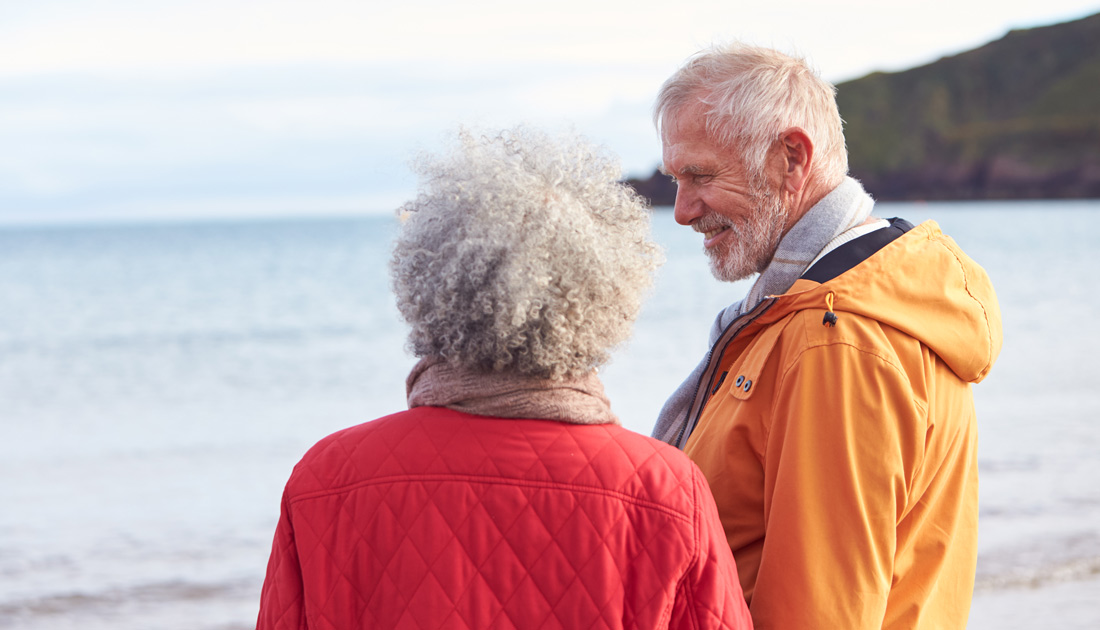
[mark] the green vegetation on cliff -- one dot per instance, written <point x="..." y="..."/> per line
<point x="1016" y="118"/>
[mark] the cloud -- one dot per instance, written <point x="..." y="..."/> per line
<point x="195" y="34"/>
<point x="78" y="140"/>
<point x="109" y="103"/>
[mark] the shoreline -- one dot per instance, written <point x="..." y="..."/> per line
<point x="1063" y="604"/>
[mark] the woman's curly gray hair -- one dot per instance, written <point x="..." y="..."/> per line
<point x="522" y="252"/>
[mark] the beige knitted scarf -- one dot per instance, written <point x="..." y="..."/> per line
<point x="434" y="383"/>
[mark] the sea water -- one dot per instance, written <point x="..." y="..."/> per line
<point x="158" y="382"/>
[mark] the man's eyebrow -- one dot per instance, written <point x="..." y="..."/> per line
<point x="690" y="169"/>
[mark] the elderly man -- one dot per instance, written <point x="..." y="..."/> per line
<point x="833" y="416"/>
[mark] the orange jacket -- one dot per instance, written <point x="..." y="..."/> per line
<point x="843" y="458"/>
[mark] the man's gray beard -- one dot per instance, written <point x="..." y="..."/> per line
<point x="753" y="241"/>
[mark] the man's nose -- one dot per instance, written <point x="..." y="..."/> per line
<point x="687" y="208"/>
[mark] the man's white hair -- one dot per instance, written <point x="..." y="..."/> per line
<point x="751" y="95"/>
<point x="522" y="252"/>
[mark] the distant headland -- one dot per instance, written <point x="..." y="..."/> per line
<point x="1018" y="118"/>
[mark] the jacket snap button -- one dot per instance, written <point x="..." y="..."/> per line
<point x="748" y="384"/>
<point x="740" y="379"/>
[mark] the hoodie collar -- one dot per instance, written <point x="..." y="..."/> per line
<point x="845" y="207"/>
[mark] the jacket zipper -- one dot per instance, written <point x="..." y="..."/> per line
<point x="692" y="417"/>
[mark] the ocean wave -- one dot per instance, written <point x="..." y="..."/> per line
<point x="1041" y="563"/>
<point x="60" y="345"/>
<point x="108" y="602"/>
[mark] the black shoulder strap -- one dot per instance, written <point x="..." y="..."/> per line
<point x="855" y="251"/>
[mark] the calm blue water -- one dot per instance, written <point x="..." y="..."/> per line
<point x="158" y="382"/>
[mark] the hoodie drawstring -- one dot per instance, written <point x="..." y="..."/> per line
<point x="830" y="316"/>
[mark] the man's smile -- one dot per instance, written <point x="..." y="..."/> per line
<point x="711" y="232"/>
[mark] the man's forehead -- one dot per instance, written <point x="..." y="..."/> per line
<point x="691" y="115"/>
<point x="686" y="154"/>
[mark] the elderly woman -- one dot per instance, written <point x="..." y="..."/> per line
<point x="507" y="496"/>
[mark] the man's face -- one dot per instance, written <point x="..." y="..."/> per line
<point x="742" y="220"/>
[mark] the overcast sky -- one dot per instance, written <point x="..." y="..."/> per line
<point x="167" y="109"/>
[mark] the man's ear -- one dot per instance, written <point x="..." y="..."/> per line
<point x="797" y="151"/>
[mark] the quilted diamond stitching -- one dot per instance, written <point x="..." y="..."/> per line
<point x="520" y="548"/>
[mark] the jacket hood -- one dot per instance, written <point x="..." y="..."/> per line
<point x="922" y="284"/>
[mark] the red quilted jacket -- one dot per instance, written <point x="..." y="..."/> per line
<point x="433" y="518"/>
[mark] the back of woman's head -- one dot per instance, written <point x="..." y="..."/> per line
<point x="522" y="252"/>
